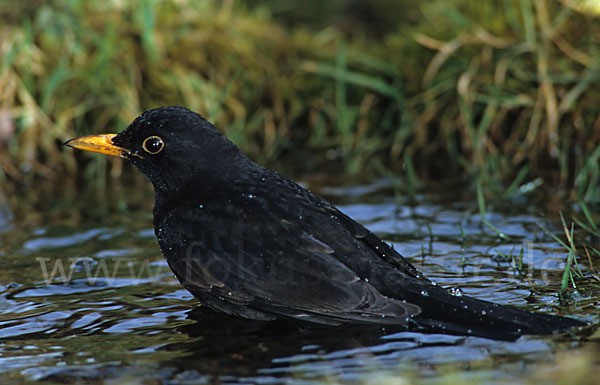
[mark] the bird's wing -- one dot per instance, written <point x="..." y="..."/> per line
<point x="243" y="260"/>
<point x="373" y="242"/>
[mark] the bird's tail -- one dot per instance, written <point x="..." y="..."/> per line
<point x="451" y="312"/>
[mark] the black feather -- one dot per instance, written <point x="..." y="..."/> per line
<point x="251" y="243"/>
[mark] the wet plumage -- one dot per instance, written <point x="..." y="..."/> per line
<point x="251" y="243"/>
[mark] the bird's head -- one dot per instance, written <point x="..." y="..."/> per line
<point x="173" y="146"/>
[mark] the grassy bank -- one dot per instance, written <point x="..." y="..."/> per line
<point x="499" y="94"/>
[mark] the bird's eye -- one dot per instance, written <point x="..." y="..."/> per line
<point x="153" y="145"/>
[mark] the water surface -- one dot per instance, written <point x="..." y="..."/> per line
<point x="86" y="297"/>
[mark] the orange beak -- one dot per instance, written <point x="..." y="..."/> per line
<point x="100" y="143"/>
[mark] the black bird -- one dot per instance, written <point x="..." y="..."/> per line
<point x="251" y="243"/>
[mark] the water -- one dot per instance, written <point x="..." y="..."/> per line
<point x="86" y="297"/>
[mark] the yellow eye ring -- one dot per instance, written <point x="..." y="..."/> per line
<point x="153" y="145"/>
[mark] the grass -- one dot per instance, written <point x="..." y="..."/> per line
<point x="579" y="243"/>
<point x="500" y="94"/>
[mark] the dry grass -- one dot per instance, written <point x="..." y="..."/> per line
<point x="502" y="92"/>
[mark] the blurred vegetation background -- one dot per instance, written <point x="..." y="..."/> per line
<point x="499" y="95"/>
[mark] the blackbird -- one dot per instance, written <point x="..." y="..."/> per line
<point x="251" y="243"/>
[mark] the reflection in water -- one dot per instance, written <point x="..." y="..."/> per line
<point x="240" y="348"/>
<point x="99" y="302"/>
